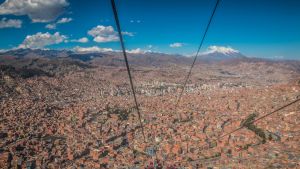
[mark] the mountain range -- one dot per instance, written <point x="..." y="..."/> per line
<point x="141" y="59"/>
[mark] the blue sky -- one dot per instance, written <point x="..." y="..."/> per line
<point x="256" y="28"/>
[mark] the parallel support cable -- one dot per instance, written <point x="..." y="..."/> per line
<point x="264" y="116"/>
<point x="195" y="58"/>
<point x="239" y="128"/>
<point x="127" y="64"/>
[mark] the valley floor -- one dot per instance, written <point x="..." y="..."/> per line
<point x="86" y="118"/>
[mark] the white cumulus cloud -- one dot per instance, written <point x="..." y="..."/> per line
<point x="36" y="10"/>
<point x="176" y="45"/>
<point x="41" y="40"/>
<point x="81" y="40"/>
<point x="103" y="34"/>
<point x="51" y="26"/>
<point x="135" y="51"/>
<point x="128" y="33"/>
<point x="10" y="23"/>
<point x="138" y="51"/>
<point x="93" y="49"/>
<point x="64" y="20"/>
<point x="61" y="21"/>
<point x="135" y="21"/>
<point x="96" y="49"/>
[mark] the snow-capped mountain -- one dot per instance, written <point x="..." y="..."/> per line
<point x="220" y="53"/>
